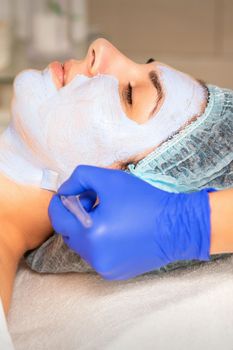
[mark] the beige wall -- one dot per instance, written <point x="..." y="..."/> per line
<point x="195" y="36"/>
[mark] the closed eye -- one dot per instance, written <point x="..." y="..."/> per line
<point x="128" y="90"/>
<point x="128" y="94"/>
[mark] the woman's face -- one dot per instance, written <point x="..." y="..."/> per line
<point x="104" y="110"/>
<point x="137" y="89"/>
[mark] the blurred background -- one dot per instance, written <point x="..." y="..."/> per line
<point x="193" y="36"/>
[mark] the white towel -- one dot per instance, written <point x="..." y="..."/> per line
<point x="5" y="339"/>
<point x="190" y="308"/>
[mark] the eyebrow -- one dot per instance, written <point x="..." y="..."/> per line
<point x="154" y="78"/>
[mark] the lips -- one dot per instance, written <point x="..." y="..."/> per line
<point x="63" y="74"/>
<point x="58" y="73"/>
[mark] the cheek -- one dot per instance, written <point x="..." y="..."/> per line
<point x="144" y="101"/>
<point x="25" y="123"/>
<point x="23" y="130"/>
<point x="65" y="129"/>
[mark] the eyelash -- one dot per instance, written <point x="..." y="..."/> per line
<point x="129" y="94"/>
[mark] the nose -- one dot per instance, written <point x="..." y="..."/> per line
<point x="102" y="57"/>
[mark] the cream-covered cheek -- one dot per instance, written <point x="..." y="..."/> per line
<point x="84" y="123"/>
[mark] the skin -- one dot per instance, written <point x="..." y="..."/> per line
<point x="221" y="221"/>
<point x="24" y="225"/>
<point x="24" y="219"/>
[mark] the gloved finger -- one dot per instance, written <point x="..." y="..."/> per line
<point x="62" y="220"/>
<point x="86" y="177"/>
<point x="74" y="234"/>
<point x="88" y="200"/>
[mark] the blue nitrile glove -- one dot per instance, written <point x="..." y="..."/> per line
<point x="136" y="227"/>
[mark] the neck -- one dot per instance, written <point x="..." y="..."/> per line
<point x="24" y="219"/>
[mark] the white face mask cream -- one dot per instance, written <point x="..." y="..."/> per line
<point x="84" y="123"/>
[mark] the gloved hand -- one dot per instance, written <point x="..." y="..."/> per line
<point x="136" y="227"/>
